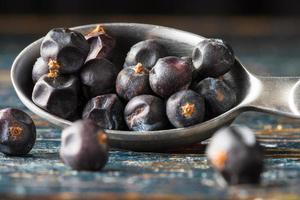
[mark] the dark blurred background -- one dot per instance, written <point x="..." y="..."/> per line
<point x="265" y="34"/>
<point x="164" y="7"/>
<point x="208" y="17"/>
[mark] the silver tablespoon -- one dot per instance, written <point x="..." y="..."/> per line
<point x="277" y="95"/>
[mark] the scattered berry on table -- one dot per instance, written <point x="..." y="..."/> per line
<point x="236" y="155"/>
<point x="17" y="132"/>
<point x="84" y="146"/>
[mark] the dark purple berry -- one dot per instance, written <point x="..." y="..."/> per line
<point x="219" y="98"/>
<point x="213" y="57"/>
<point x="67" y="48"/>
<point x="84" y="146"/>
<point x="106" y="110"/>
<point x="101" y="44"/>
<point x="57" y="95"/>
<point x="133" y="81"/>
<point x="146" y="113"/>
<point x="98" y="77"/>
<point x="17" y="132"/>
<point x="185" y="108"/>
<point x="39" y="69"/>
<point x="236" y="155"/>
<point x="169" y="75"/>
<point x="146" y="52"/>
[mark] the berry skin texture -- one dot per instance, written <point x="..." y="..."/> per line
<point x="106" y="110"/>
<point x="169" y="75"/>
<point x="98" y="77"/>
<point x="84" y="146"/>
<point x="146" y="52"/>
<point x="236" y="155"/>
<point x="17" y="132"/>
<point x="39" y="69"/>
<point x="185" y="108"/>
<point x="133" y="81"/>
<point x="146" y="113"/>
<point x="59" y="95"/>
<point x="67" y="47"/>
<point x="213" y="57"/>
<point x="219" y="98"/>
<point x="101" y="44"/>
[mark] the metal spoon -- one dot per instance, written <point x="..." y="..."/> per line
<point x="277" y="95"/>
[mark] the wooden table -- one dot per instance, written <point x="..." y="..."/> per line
<point x="177" y="174"/>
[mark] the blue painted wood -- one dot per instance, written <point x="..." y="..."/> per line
<point x="178" y="173"/>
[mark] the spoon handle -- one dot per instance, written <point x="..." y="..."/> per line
<point x="276" y="95"/>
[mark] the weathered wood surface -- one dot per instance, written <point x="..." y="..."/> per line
<point x="178" y="174"/>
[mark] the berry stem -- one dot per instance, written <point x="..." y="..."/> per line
<point x="53" y="68"/>
<point x="15" y="132"/>
<point x="95" y="32"/>
<point x="188" y="109"/>
<point x="220" y="159"/>
<point x="102" y="137"/>
<point x="138" y="69"/>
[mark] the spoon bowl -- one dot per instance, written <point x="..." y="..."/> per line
<point x="276" y="95"/>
